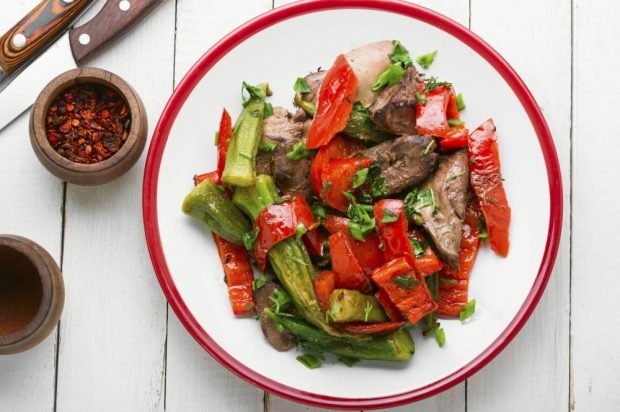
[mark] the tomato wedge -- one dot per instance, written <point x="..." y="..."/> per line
<point x="338" y="148"/>
<point x="432" y="117"/>
<point x="361" y="328"/>
<point x="413" y="299"/>
<point x="338" y="178"/>
<point x="277" y="222"/>
<point x="324" y="285"/>
<point x="486" y="180"/>
<point x="428" y="263"/>
<point x="334" y="103"/>
<point x="239" y="275"/>
<point x="453" y="284"/>
<point x="347" y="269"/>
<point x="392" y="227"/>
<point x="367" y="252"/>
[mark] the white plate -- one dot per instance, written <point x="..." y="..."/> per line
<point x="278" y="47"/>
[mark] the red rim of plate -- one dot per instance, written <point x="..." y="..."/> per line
<point x="209" y="59"/>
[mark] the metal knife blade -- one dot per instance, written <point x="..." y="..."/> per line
<point x="20" y="93"/>
<point x="69" y="51"/>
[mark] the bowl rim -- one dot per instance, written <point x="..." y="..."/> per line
<point x="248" y="29"/>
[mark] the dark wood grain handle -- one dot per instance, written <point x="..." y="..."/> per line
<point x="35" y="32"/>
<point x="116" y="18"/>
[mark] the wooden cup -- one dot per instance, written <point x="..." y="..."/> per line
<point x="96" y="173"/>
<point x="32" y="294"/>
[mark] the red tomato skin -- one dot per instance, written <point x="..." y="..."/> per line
<point x="432" y="118"/>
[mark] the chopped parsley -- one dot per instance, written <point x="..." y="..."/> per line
<point x="265" y="146"/>
<point x="455" y="122"/>
<point x="391" y="76"/>
<point x="460" y="102"/>
<point x="454" y="177"/>
<point x="259" y="282"/>
<point x="440" y="336"/>
<point x="467" y="310"/>
<point x="249" y="238"/>
<point x="389" y="216"/>
<point x="417" y="199"/>
<point x="378" y="183"/>
<point x="299" y="151"/>
<point x="268" y="110"/>
<point x="418" y="248"/>
<point x="429" y="146"/>
<point x="349" y="361"/>
<point x="309" y="361"/>
<point x="433" y="83"/>
<point x="301" y="86"/>
<point x="318" y="211"/>
<point x="421" y="98"/>
<point x="367" y="309"/>
<point x="326" y="186"/>
<point x="245" y="155"/>
<point x="427" y="59"/>
<point x="361" y="223"/>
<point x="400" y="54"/>
<point x="300" y="230"/>
<point x="253" y="93"/>
<point x="216" y="141"/>
<point x="280" y="300"/>
<point x="405" y="281"/>
<point x="359" y="178"/>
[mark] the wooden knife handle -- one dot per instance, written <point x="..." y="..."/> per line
<point x="35" y="32"/>
<point x="116" y="18"/>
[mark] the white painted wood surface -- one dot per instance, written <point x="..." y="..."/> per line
<point x="120" y="348"/>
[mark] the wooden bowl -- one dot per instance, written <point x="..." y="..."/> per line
<point x="32" y="294"/>
<point x="96" y="173"/>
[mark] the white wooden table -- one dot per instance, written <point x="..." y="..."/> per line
<point x="119" y="347"/>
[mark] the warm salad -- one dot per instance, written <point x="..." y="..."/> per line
<point x="363" y="209"/>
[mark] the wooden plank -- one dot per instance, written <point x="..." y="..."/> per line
<point x="112" y="342"/>
<point x="31" y="206"/>
<point x="532" y="373"/>
<point x="453" y="399"/>
<point x="194" y="380"/>
<point x="595" y="281"/>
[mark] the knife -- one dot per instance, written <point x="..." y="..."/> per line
<point x="115" y="19"/>
<point x="35" y="32"/>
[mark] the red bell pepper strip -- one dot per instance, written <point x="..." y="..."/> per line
<point x="224" y="135"/>
<point x="388" y="306"/>
<point x="361" y="328"/>
<point x="453" y="284"/>
<point x="239" y="275"/>
<point x="455" y="138"/>
<point x="393" y="234"/>
<point x="414" y="302"/>
<point x="348" y="272"/>
<point x="428" y="263"/>
<point x="314" y="242"/>
<point x="198" y="179"/>
<point x="452" y="111"/>
<point x="334" y="103"/>
<point x="431" y="117"/>
<point x="368" y="252"/>
<point x="338" y="178"/>
<point x="338" y="148"/>
<point x="324" y="285"/>
<point x="486" y="180"/>
<point x="277" y="222"/>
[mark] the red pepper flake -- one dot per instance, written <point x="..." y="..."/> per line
<point x="88" y="123"/>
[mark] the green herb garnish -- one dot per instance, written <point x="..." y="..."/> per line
<point x="433" y="83"/>
<point x="301" y="85"/>
<point x="359" y="178"/>
<point x="249" y="238"/>
<point x="253" y="92"/>
<point x="267" y="146"/>
<point x="391" y="76"/>
<point x="268" y="110"/>
<point x="309" y="361"/>
<point x="367" y="310"/>
<point x="259" y="282"/>
<point x="460" y="102"/>
<point x="280" y="300"/>
<point x="347" y="360"/>
<point x="429" y="146"/>
<point x="400" y="55"/>
<point x="245" y="155"/>
<point x="455" y="122"/>
<point x="378" y="183"/>
<point x="300" y="230"/>
<point x="299" y="151"/>
<point x="421" y="98"/>
<point x="482" y="228"/>
<point x="467" y="310"/>
<point x="427" y="59"/>
<point x="318" y="211"/>
<point x="448" y="281"/>
<point x="440" y="336"/>
<point x="418" y="248"/>
<point x="405" y="281"/>
<point x="216" y="141"/>
<point x="389" y="216"/>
